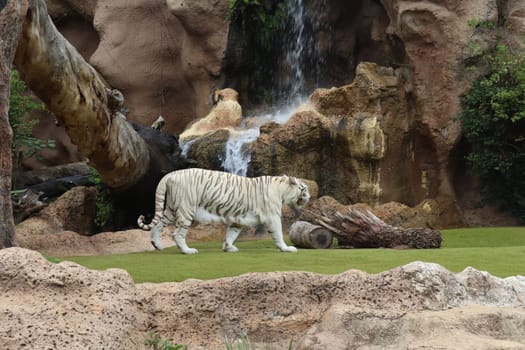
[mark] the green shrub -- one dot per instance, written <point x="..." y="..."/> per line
<point x="24" y="144"/>
<point x="492" y="118"/>
<point x="157" y="343"/>
<point x="264" y="22"/>
<point x="104" y="203"/>
<point x="260" y="25"/>
<point x="241" y="344"/>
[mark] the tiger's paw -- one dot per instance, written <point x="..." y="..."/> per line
<point x="156" y="245"/>
<point x="289" y="249"/>
<point x="229" y="248"/>
<point x="190" y="251"/>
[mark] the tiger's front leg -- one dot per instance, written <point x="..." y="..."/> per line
<point x="180" y="238"/>
<point x="232" y="232"/>
<point x="276" y="232"/>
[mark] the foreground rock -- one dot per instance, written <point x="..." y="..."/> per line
<point x="65" y="306"/>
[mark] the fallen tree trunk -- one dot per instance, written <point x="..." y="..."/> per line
<point x="80" y="99"/>
<point x="305" y="235"/>
<point x="56" y="187"/>
<point x="355" y="229"/>
<point x="24" y="179"/>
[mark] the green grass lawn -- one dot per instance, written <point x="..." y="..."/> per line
<point x="501" y="251"/>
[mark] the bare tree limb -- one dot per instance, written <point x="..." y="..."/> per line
<point x="78" y="96"/>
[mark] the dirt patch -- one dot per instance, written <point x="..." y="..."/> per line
<point x="69" y="243"/>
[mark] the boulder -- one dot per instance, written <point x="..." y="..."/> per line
<point x="74" y="210"/>
<point x="209" y="150"/>
<point x="226" y="114"/>
<point x="418" y="305"/>
<point x="350" y="139"/>
<point x="65" y="306"/>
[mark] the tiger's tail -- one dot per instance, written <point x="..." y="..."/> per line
<point x="160" y="198"/>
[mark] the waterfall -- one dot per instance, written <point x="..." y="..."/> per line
<point x="295" y="43"/>
<point x="302" y="58"/>
<point x="300" y="55"/>
<point x="237" y="159"/>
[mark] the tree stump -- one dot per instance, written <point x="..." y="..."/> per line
<point x="305" y="235"/>
<point x="355" y="229"/>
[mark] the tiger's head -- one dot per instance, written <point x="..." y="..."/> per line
<point x="297" y="195"/>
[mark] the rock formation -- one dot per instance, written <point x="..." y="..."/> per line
<point x="165" y="56"/>
<point x="418" y="305"/>
<point x="406" y="105"/>
<point x="226" y="114"/>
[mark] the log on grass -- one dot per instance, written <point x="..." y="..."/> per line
<point x="355" y="229"/>
<point x="305" y="235"/>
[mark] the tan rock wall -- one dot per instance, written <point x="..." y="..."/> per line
<point x="65" y="306"/>
<point x="165" y="56"/>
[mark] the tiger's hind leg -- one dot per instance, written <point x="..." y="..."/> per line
<point x="155" y="235"/>
<point x="180" y="238"/>
<point x="232" y="232"/>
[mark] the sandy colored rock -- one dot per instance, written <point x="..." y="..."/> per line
<point x="65" y="306"/>
<point x="69" y="243"/>
<point x="161" y="56"/>
<point x="74" y="210"/>
<point x="226" y="114"/>
<point x="419" y="305"/>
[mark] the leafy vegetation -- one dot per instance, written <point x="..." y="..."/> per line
<point x="104" y="203"/>
<point x="24" y="144"/>
<point x="157" y="343"/>
<point x="241" y="344"/>
<point x="493" y="121"/>
<point x="259" y="26"/>
<point x="501" y="251"/>
<point x="262" y="20"/>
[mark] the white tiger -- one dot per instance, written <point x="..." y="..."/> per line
<point x="206" y="196"/>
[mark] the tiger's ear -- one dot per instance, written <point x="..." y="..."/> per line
<point x="292" y="180"/>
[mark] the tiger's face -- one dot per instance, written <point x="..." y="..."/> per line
<point x="299" y="193"/>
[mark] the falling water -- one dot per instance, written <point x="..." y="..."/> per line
<point x="300" y="54"/>
<point x="237" y="156"/>
<point x="297" y="46"/>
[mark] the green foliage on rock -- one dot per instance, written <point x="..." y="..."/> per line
<point x="493" y="121"/>
<point x="104" y="203"/>
<point x="256" y="33"/>
<point x="157" y="343"/>
<point x="265" y="20"/>
<point x="24" y="144"/>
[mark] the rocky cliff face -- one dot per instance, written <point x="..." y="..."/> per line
<point x="419" y="305"/>
<point x="385" y="133"/>
<point x="165" y="56"/>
